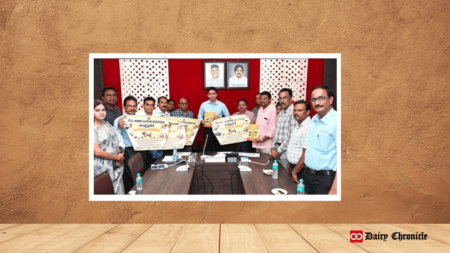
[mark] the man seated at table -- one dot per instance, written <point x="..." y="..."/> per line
<point x="267" y="120"/>
<point x="245" y="146"/>
<point x="321" y="152"/>
<point x="148" y="107"/>
<point x="297" y="141"/>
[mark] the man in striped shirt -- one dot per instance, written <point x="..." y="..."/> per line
<point x="298" y="141"/>
<point x="285" y="126"/>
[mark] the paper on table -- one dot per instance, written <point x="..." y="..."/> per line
<point x="167" y="159"/>
<point x="249" y="154"/>
<point x="180" y="154"/>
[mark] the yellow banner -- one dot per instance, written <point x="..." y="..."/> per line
<point x="231" y="129"/>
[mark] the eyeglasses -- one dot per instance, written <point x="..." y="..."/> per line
<point x="183" y="103"/>
<point x="283" y="98"/>
<point x="320" y="99"/>
<point x="110" y="95"/>
<point x="131" y="106"/>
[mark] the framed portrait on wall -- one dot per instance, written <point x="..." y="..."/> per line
<point x="214" y="74"/>
<point x="238" y="74"/>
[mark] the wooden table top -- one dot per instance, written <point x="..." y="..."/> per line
<point x="169" y="181"/>
<point x="256" y="182"/>
<point x="166" y="181"/>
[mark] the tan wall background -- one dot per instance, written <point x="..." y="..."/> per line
<point x="395" y="102"/>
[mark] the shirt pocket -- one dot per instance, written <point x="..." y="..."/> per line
<point x="326" y="141"/>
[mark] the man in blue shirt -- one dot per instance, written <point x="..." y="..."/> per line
<point x="321" y="151"/>
<point x="130" y="105"/>
<point x="212" y="105"/>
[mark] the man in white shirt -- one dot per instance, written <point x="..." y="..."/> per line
<point x="149" y="106"/>
<point x="298" y="140"/>
<point x="215" y="80"/>
<point x="161" y="111"/>
<point x="239" y="80"/>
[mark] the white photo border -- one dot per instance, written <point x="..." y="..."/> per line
<point x="196" y="197"/>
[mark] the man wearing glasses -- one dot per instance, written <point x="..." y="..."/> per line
<point x="183" y="112"/>
<point x="130" y="105"/>
<point x="161" y="111"/>
<point x="109" y="97"/>
<point x="285" y="126"/>
<point x="321" y="151"/>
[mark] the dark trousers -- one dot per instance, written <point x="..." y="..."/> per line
<point x="317" y="184"/>
<point x="127" y="178"/>
<point x="211" y="140"/>
<point x="245" y="146"/>
<point x="299" y="174"/>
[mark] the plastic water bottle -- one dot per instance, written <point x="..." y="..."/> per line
<point x="139" y="182"/>
<point x="175" y="154"/>
<point x="275" y="169"/>
<point x="301" y="188"/>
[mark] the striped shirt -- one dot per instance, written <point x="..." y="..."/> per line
<point x="298" y="141"/>
<point x="285" y="126"/>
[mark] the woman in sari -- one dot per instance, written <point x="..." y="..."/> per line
<point x="107" y="144"/>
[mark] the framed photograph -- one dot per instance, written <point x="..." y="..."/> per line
<point x="238" y="74"/>
<point x="214" y="74"/>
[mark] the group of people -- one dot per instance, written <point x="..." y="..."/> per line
<point x="306" y="147"/>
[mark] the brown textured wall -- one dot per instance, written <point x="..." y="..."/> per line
<point x="395" y="106"/>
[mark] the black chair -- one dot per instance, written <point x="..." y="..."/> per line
<point x="103" y="184"/>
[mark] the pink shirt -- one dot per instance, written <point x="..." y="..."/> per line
<point x="249" y="114"/>
<point x="267" y="120"/>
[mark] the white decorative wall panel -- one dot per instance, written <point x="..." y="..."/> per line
<point x="284" y="73"/>
<point x="144" y="77"/>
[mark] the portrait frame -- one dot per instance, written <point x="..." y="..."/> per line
<point x="207" y="76"/>
<point x="231" y="76"/>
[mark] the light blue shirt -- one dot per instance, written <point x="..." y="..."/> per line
<point x="321" y="151"/>
<point x="218" y="107"/>
<point x="123" y="132"/>
<point x="159" y="113"/>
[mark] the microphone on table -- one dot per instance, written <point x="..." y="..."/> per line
<point x="246" y="168"/>
<point x="204" y="147"/>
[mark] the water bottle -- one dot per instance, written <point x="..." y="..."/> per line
<point x="139" y="182"/>
<point x="275" y="169"/>
<point x="301" y="188"/>
<point x="175" y="154"/>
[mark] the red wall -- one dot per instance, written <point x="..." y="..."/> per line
<point x="186" y="80"/>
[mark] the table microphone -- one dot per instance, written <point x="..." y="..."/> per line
<point x="204" y="147"/>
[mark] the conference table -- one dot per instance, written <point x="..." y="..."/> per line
<point x="219" y="178"/>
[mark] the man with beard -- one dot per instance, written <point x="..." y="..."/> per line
<point x="109" y="97"/>
<point x="321" y="152"/>
<point x="239" y="80"/>
<point x="267" y="120"/>
<point x="130" y="105"/>
<point x="245" y="146"/>
<point x="215" y="80"/>
<point x="297" y="141"/>
<point x="285" y="126"/>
